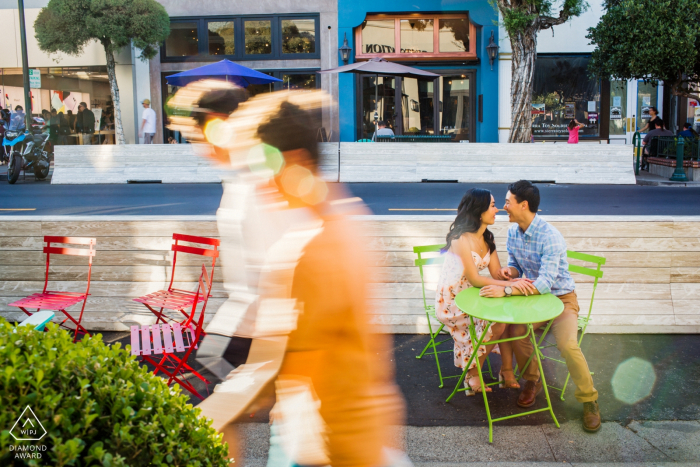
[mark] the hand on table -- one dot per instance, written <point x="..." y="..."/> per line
<point x="492" y="291"/>
<point x="524" y="286"/>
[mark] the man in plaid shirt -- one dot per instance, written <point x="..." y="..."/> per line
<point x="537" y="251"/>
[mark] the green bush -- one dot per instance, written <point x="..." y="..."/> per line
<point x="97" y="404"/>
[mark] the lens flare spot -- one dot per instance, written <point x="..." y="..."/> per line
<point x="318" y="193"/>
<point x="265" y="160"/>
<point x="297" y="181"/>
<point x="218" y="132"/>
<point x="633" y="380"/>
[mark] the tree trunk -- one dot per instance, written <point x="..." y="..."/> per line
<point x="114" y="89"/>
<point x="524" y="46"/>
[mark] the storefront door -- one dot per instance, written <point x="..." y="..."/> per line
<point x="457" y="109"/>
<point x="647" y="96"/>
<point x="378" y="94"/>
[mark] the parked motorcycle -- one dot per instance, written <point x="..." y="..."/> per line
<point x="28" y="150"/>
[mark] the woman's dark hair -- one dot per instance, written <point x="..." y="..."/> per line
<point x="220" y="101"/>
<point x="475" y="202"/>
<point x="572" y="124"/>
<point x="656" y="111"/>
<point x="524" y="190"/>
<point x="292" y="128"/>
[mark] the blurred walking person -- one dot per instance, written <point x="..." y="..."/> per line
<point x="148" y="122"/>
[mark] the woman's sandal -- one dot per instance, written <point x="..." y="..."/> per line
<point x="474" y="386"/>
<point x="507" y="383"/>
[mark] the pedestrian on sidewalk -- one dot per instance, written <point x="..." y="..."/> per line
<point x="574" y="127"/>
<point x="537" y="250"/>
<point x="148" y="122"/>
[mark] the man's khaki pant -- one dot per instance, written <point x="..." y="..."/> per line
<point x="565" y="332"/>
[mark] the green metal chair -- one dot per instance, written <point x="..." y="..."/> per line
<point x="597" y="274"/>
<point x="430" y="310"/>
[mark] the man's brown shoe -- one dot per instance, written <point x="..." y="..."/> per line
<point x="529" y="393"/>
<point x="591" y="416"/>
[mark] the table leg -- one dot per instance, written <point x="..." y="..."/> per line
<point x="544" y="381"/>
<point x="472" y="332"/>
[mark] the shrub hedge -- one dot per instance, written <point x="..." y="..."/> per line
<point x="97" y="404"/>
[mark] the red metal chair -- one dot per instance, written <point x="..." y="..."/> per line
<point x="167" y="340"/>
<point x="176" y="299"/>
<point x="59" y="301"/>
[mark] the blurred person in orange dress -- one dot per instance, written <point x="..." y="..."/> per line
<point x="306" y="311"/>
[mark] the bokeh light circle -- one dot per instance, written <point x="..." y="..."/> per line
<point x="633" y="380"/>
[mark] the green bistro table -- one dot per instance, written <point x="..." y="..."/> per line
<point x="509" y="310"/>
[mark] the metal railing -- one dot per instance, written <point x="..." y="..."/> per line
<point x="667" y="147"/>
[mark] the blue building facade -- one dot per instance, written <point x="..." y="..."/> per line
<point x="447" y="37"/>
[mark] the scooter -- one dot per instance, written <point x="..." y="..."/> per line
<point x="27" y="150"/>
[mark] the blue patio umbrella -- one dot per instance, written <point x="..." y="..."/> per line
<point x="225" y="70"/>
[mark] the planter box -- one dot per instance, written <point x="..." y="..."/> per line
<point x="666" y="167"/>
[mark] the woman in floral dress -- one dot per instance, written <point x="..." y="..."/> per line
<point x="470" y="248"/>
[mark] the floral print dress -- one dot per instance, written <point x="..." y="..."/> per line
<point x="452" y="281"/>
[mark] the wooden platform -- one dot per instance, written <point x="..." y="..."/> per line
<point x="169" y="163"/>
<point x="486" y="162"/>
<point x="651" y="282"/>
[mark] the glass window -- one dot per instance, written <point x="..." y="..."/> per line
<point x="298" y="36"/>
<point x="182" y="41"/>
<point x="417" y="107"/>
<point x="455" y="117"/>
<point x="221" y="38"/>
<point x="305" y="81"/>
<point x="378" y="37"/>
<point x="258" y="37"/>
<point x="646" y="97"/>
<point x="618" y="107"/>
<point x="416" y="36"/>
<point x="386" y="110"/>
<point x="454" y="35"/>
<point x="562" y="91"/>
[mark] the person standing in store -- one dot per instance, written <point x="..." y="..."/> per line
<point x="651" y="124"/>
<point x="85" y="123"/>
<point x="148" y="122"/>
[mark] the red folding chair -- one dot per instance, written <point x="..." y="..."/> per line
<point x="176" y="299"/>
<point x="59" y="301"/>
<point x="167" y="340"/>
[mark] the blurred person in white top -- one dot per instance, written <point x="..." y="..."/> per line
<point x="148" y="122"/>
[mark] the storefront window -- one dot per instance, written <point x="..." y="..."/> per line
<point x="63" y="89"/>
<point x="299" y="81"/>
<point x="386" y="108"/>
<point x="378" y="36"/>
<point x="647" y="96"/>
<point x="416" y="36"/>
<point x="454" y="35"/>
<point x="258" y="37"/>
<point x="618" y="107"/>
<point x="182" y="41"/>
<point x="417" y="107"/>
<point x="298" y="36"/>
<point x="221" y="38"/>
<point x="562" y="91"/>
<point x="456" y="107"/>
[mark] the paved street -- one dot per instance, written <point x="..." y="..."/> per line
<point x="41" y="198"/>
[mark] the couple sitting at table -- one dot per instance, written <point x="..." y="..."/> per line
<point x="537" y="264"/>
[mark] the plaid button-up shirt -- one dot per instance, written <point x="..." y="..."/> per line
<point x="539" y="253"/>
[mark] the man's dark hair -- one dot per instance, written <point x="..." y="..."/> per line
<point x="220" y="101"/>
<point x="526" y="191"/>
<point x="687" y="126"/>
<point x="292" y="128"/>
<point x="659" y="123"/>
<point x="381" y="123"/>
<point x="83" y="104"/>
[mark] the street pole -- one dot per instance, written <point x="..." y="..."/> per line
<point x="25" y="66"/>
<point x="679" y="173"/>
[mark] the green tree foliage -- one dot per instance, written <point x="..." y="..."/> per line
<point x="97" y="405"/>
<point x="522" y="20"/>
<point x="649" y="39"/>
<point x="69" y="25"/>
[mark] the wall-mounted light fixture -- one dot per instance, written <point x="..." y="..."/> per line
<point x="492" y="50"/>
<point x="345" y="50"/>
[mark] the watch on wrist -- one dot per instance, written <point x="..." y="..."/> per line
<point x="508" y="290"/>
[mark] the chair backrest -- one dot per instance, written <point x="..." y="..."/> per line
<point x="421" y="262"/>
<point x="53" y="250"/>
<point x="212" y="253"/>
<point x="596" y="273"/>
<point x="203" y="290"/>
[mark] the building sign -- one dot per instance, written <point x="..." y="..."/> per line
<point x="387" y="49"/>
<point x="592" y="118"/>
<point x="645" y="112"/>
<point x="570" y="110"/>
<point x="617" y="101"/>
<point x="615" y="113"/>
<point x="34" y="79"/>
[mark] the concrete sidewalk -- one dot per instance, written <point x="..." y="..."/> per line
<point x="662" y="443"/>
